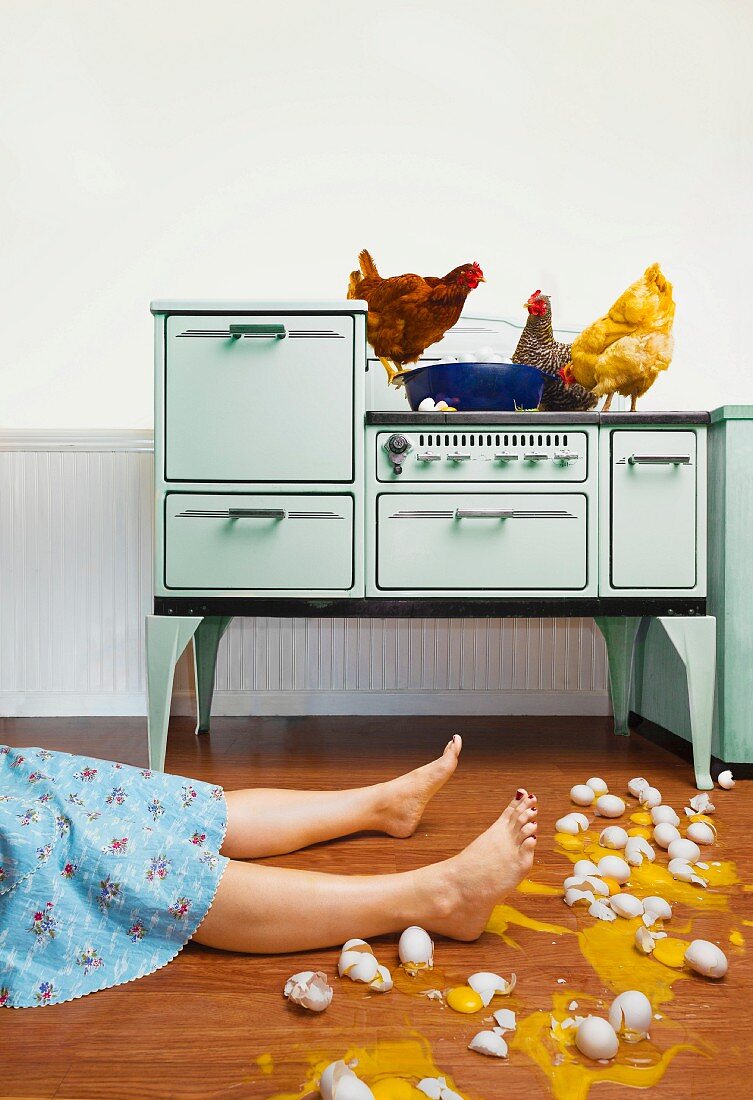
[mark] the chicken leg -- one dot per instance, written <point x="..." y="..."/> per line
<point x="390" y="367"/>
<point x="633" y="402"/>
<point x="607" y="403"/>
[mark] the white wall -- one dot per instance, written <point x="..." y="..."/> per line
<point x="168" y="148"/>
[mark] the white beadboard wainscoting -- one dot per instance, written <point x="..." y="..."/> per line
<point x="75" y="585"/>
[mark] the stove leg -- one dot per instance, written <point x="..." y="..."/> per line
<point x="619" y="634"/>
<point x="166" y="638"/>
<point x="694" y="640"/>
<point x="206" y="641"/>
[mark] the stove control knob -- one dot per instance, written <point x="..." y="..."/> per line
<point x="397" y="448"/>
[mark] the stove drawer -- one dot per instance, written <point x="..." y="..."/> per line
<point x="263" y="542"/>
<point x="653" y="522"/>
<point x="259" y="398"/>
<point x="501" y="541"/>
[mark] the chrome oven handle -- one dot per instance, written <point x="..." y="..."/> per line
<point x="276" y="332"/>
<point x="535" y="457"/>
<point x="256" y="513"/>
<point x="483" y="513"/>
<point x="659" y="460"/>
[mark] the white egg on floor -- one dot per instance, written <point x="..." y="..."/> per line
<point x="630" y="1015"/>
<point x="581" y="794"/>
<point x="725" y="780"/>
<point x="490" y="1043"/>
<point x="596" y="1038"/>
<point x="700" y="832"/>
<point x="416" y="949"/>
<point x="706" y="959"/>
<point x="684" y="849"/>
<point x="637" y="849"/>
<point x="613" y="837"/>
<point x="665" y="833"/>
<point x="339" y="1082"/>
<point x="663" y="813"/>
<point x="635" y="786"/>
<point x="585" y="867"/>
<point x="614" y="867"/>
<point x="309" y="989"/>
<point x="598" y="786"/>
<point x="572" y="824"/>
<point x="626" y="906"/>
<point x="658" y="906"/>
<point x="650" y="797"/>
<point x="609" y="805"/>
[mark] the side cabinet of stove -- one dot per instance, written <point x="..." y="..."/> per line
<point x="258" y="474"/>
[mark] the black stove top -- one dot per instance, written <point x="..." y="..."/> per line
<point x="633" y="418"/>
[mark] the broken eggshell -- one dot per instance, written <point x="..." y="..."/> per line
<point x="684" y="849"/>
<point x="706" y="958"/>
<point x="596" y="1038"/>
<point x="572" y="824"/>
<point x="598" y="786"/>
<point x="661" y="908"/>
<point x="626" y="906"/>
<point x="339" y="1082"/>
<point x="681" y="870"/>
<point x="490" y="1043"/>
<point x="637" y="849"/>
<point x="585" y="867"/>
<point x="700" y="832"/>
<point x="489" y="985"/>
<point x="614" y="867"/>
<point x="357" y="962"/>
<point x="700" y="804"/>
<point x="614" y="836"/>
<point x="665" y="833"/>
<point x="630" y="1015"/>
<point x="416" y="949"/>
<point x="650" y="797"/>
<point x="309" y="989"/>
<point x="601" y="910"/>
<point x="574" y="896"/>
<point x="725" y="780"/>
<point x="664" y="813"/>
<point x="635" y="786"/>
<point x="582" y="795"/>
<point x="436" y="1089"/>
<point x="609" y="805"/>
<point x="505" y="1018"/>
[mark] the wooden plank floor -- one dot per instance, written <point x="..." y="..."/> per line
<point x="196" y="1028"/>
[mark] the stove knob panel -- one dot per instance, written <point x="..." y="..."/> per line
<point x="397" y="447"/>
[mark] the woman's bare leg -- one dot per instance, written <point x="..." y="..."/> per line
<point x="266" y="822"/>
<point x="272" y="909"/>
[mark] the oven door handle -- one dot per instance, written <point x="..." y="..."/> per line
<point x="483" y="513"/>
<point x="256" y="513"/>
<point x="659" y="460"/>
<point x="276" y="332"/>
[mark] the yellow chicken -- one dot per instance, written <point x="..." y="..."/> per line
<point x="624" y="351"/>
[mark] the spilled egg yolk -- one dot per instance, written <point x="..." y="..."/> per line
<point x="641" y="830"/>
<point x="671" y="952"/>
<point x="464" y="999"/>
<point x="737" y="938"/>
<point x="396" y="1088"/>
<point x="641" y="818"/>
<point x="613" y="885"/>
<point x="569" y="843"/>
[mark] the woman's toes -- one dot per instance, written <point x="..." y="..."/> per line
<point x="527" y="815"/>
<point x="529" y="829"/>
<point x="528" y="844"/>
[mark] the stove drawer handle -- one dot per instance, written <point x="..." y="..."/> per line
<point x="276" y="332"/>
<point x="659" y="460"/>
<point x="483" y="513"/>
<point x="256" y="513"/>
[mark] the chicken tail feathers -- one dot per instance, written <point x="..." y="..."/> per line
<point x="368" y="267"/>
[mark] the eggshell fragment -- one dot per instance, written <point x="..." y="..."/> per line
<point x="613" y="837"/>
<point x="630" y="1015"/>
<point x="645" y="940"/>
<point x="665" y="833"/>
<point x="490" y="1043"/>
<point x="664" y="813"/>
<point x="489" y="985"/>
<point x="626" y="906"/>
<point x="339" y="1082"/>
<point x="637" y="849"/>
<point x="701" y="804"/>
<point x="598" y="786"/>
<point x="357" y="962"/>
<point x="614" y="867"/>
<point x="706" y="959"/>
<point x="573" y="896"/>
<point x="416" y="949"/>
<point x="601" y="911"/>
<point x="684" y="849"/>
<point x="596" y="1038"/>
<point x="724" y="779"/>
<point x="658" y="906"/>
<point x="505" y="1018"/>
<point x="701" y="833"/>
<point x="650" y="797"/>
<point x="382" y="981"/>
<point x="309" y="989"/>
<point x="635" y="786"/>
<point x="581" y="794"/>
<point x="436" y="1089"/>
<point x="572" y="824"/>
<point x="681" y="870"/>
<point x="609" y="805"/>
<point x="585" y="867"/>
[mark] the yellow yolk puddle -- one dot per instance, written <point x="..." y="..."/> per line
<point x="528" y="886"/>
<point x="637" y="1065"/>
<point x="265" y="1062"/>
<point x="641" y="818"/>
<point x="610" y="949"/>
<point x="671" y="951"/>
<point x="641" y="830"/>
<point x="505" y="915"/>
<point x="737" y="938"/>
<point x="391" y="1069"/>
<point x="569" y="843"/>
<point x="417" y="985"/>
<point x="464" y="999"/>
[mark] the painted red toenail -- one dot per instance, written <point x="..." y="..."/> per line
<point x="519" y="794"/>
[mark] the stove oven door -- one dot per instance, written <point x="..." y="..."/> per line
<point x="259" y="398"/>
<point x="506" y="542"/>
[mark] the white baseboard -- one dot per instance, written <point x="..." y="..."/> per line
<point x="53" y="704"/>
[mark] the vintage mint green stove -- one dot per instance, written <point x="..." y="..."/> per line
<point x="281" y="490"/>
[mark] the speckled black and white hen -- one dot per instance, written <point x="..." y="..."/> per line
<point x="538" y="348"/>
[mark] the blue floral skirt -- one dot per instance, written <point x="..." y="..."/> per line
<point x="106" y="871"/>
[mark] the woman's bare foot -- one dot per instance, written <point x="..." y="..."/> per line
<point x="478" y="878"/>
<point x="401" y="802"/>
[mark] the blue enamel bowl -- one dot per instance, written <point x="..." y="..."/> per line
<point x="476" y="387"/>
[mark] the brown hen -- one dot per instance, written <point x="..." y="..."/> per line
<point x="409" y="313"/>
